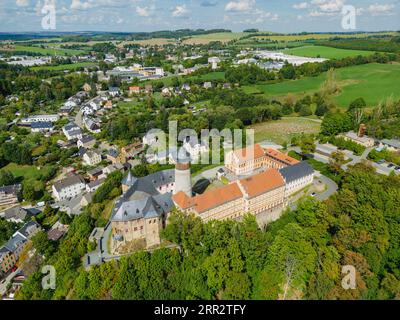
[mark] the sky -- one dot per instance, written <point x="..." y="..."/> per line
<point x="153" y="15"/>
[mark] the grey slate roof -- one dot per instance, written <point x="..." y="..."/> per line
<point x="143" y="199"/>
<point x="28" y="229"/>
<point x="70" y="181"/>
<point x="298" y="171"/>
<point x="392" y="143"/>
<point x="15" y="242"/>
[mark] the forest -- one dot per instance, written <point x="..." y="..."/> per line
<point x="299" y="256"/>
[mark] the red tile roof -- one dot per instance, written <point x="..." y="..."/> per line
<point x="281" y="157"/>
<point x="262" y="183"/>
<point x="249" y="153"/>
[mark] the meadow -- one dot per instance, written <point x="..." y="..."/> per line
<point x="72" y="66"/>
<point x="47" y="50"/>
<point x="27" y="172"/>
<point x="207" y="38"/>
<point x="283" y="130"/>
<point x="326" y="52"/>
<point x="373" y="82"/>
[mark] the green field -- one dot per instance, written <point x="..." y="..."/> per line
<point x="283" y="130"/>
<point x="47" y="51"/>
<point x="62" y="67"/>
<point x="373" y="82"/>
<point x="326" y="52"/>
<point x="26" y="172"/>
<point x="207" y="38"/>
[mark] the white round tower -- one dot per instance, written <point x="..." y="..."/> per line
<point x="183" y="180"/>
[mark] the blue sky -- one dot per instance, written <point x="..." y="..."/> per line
<point x="151" y="15"/>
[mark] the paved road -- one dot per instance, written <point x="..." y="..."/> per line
<point x="3" y="286"/>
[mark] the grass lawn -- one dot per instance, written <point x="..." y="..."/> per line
<point x="283" y="130"/>
<point x="26" y="172"/>
<point x="373" y="82"/>
<point x="62" y="67"/>
<point x="326" y="52"/>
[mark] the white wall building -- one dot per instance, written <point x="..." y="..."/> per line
<point x="68" y="188"/>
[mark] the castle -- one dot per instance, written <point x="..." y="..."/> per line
<point x="142" y="211"/>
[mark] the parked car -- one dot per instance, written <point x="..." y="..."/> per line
<point x="381" y="161"/>
<point x="314" y="194"/>
<point x="391" y="165"/>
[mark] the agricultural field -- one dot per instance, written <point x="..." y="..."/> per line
<point x="148" y="42"/>
<point x="320" y="36"/>
<point x="326" y="52"/>
<point x="72" y="66"/>
<point x="283" y="130"/>
<point x="207" y="38"/>
<point x="374" y="82"/>
<point x="45" y="51"/>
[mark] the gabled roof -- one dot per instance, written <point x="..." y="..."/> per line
<point x="296" y="172"/>
<point x="262" y="183"/>
<point x="210" y="199"/>
<point x="281" y="157"/>
<point x="70" y="181"/>
<point x="249" y="153"/>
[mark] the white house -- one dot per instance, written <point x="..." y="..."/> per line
<point x="391" y="145"/>
<point x="41" y="118"/>
<point x="195" y="148"/>
<point x="72" y="131"/>
<point x="68" y="188"/>
<point x="297" y="177"/>
<point x="91" y="158"/>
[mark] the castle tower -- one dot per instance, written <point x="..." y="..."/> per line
<point x="127" y="182"/>
<point x="183" y="181"/>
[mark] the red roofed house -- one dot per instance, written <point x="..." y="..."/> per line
<point x="134" y="90"/>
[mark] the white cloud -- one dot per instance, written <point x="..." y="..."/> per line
<point x="143" y="11"/>
<point x="301" y="6"/>
<point x="380" y="9"/>
<point x="22" y="3"/>
<point x="240" y="5"/>
<point x="180" y="11"/>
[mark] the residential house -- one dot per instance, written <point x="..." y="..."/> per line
<point x="134" y="90"/>
<point x="95" y="173"/>
<point x="72" y="131"/>
<point x="69" y="187"/>
<point x="195" y="148"/>
<point x="132" y="150"/>
<point x="115" y="156"/>
<point x="91" y="157"/>
<point x="113" y="91"/>
<point x="86" y="142"/>
<point x="92" y="125"/>
<point x="207" y="85"/>
<point x="16" y="214"/>
<point x="42" y="127"/>
<point x="94" y="185"/>
<point x="9" y="195"/>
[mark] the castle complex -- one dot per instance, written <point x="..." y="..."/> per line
<point x="142" y="211"/>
